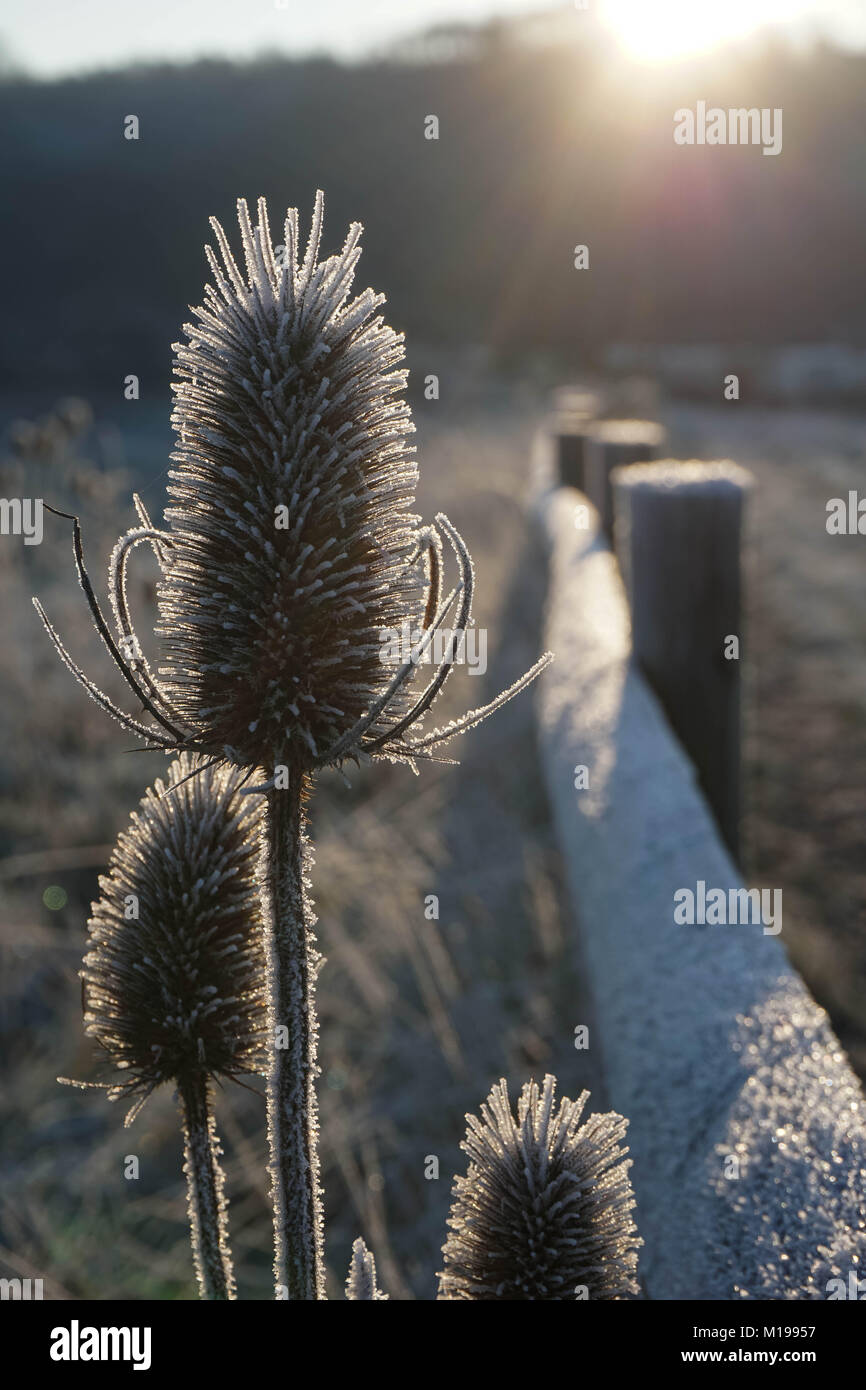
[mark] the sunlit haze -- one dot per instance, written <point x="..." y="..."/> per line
<point x="60" y="36"/>
<point x="673" y="28"/>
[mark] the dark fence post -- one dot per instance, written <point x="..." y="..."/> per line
<point x="677" y="532"/>
<point x="574" y="412"/>
<point x="570" y="437"/>
<point x="613" y="444"/>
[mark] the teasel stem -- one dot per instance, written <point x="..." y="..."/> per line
<point x="293" y="1129"/>
<point x="208" y="1210"/>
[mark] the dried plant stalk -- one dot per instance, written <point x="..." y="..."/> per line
<point x="208" y="1209"/>
<point x="293" y="1126"/>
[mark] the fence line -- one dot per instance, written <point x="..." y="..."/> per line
<point x="747" y="1125"/>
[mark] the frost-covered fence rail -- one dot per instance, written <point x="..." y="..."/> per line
<point x="748" y="1128"/>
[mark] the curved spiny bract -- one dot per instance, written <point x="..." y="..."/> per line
<point x="290" y="524"/>
<point x="174" y="978"/>
<point x="545" y="1210"/>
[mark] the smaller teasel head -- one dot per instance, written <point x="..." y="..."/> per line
<point x="361" y="1283"/>
<point x="545" y="1210"/>
<point x="174" y="978"/>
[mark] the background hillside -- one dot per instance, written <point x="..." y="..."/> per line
<point x="542" y="146"/>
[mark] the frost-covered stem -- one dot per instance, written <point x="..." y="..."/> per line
<point x="208" y="1209"/>
<point x="293" y="1128"/>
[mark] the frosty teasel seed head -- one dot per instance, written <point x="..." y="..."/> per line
<point x="174" y="978"/>
<point x="292" y="538"/>
<point x="545" y="1210"/>
<point x="290" y="545"/>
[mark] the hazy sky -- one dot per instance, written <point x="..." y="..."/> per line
<point x="56" y="36"/>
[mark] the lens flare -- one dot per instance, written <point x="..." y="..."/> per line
<point x="660" y="29"/>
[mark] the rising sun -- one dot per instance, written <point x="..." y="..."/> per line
<point x="658" y="29"/>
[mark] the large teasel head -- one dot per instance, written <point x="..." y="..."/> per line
<point x="290" y="549"/>
<point x="292" y="539"/>
<point x="545" y="1210"/>
<point x="174" y="977"/>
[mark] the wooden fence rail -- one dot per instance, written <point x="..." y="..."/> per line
<point x="747" y="1125"/>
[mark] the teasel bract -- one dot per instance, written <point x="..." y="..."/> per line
<point x="545" y="1210"/>
<point x="174" y="983"/>
<point x="290" y="549"/>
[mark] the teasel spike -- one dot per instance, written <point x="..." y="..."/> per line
<point x="102" y="626"/>
<point x="124" y="720"/>
<point x="144" y="517"/>
<point x="117" y="567"/>
<point x="474" y="717"/>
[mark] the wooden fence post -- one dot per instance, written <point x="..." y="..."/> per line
<point x="575" y="409"/>
<point x="613" y="444"/>
<point x="677" y="534"/>
<point x="571" y="432"/>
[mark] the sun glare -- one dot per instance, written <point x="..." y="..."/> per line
<point x="659" y="29"/>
